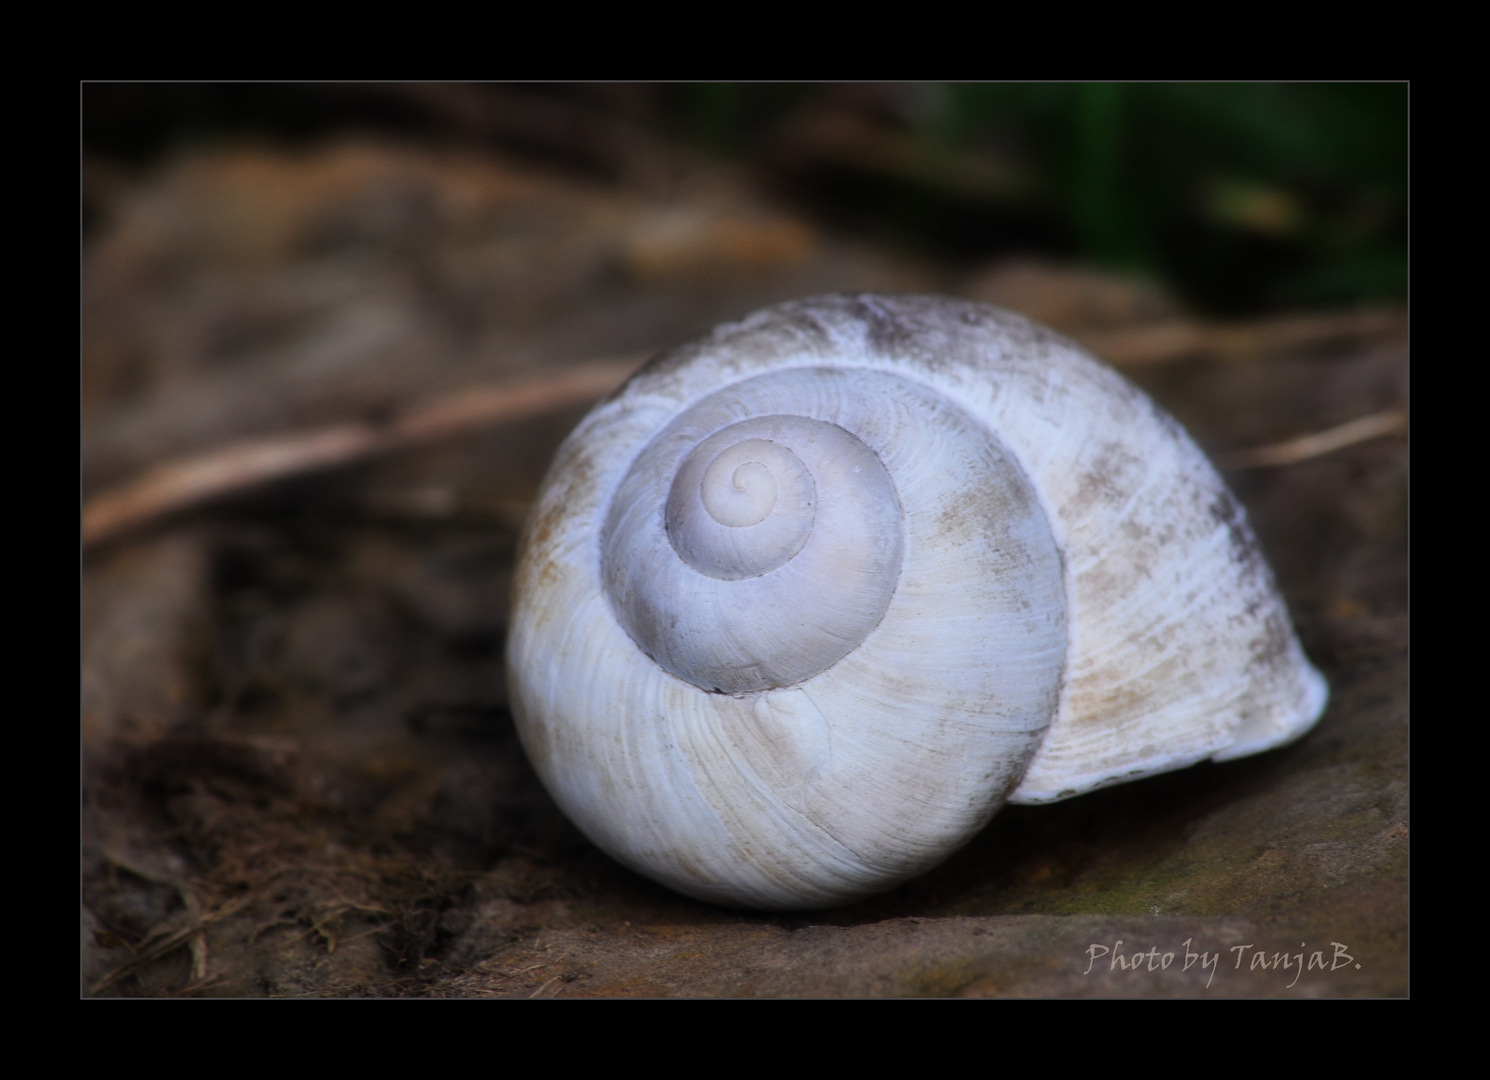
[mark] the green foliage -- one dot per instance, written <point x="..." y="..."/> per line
<point x="1244" y="196"/>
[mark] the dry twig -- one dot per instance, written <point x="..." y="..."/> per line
<point x="181" y="933"/>
<point x="188" y="482"/>
<point x="545" y="986"/>
<point x="1163" y="342"/>
<point x="1291" y="451"/>
<point x="198" y="957"/>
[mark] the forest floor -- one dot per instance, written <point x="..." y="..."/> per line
<point x="298" y="772"/>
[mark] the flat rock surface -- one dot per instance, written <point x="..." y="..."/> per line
<point x="299" y="776"/>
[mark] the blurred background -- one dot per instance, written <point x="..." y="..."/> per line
<point x="307" y="311"/>
<point x="263" y="255"/>
<point x="1242" y="197"/>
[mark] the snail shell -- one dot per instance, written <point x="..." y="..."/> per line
<point x="804" y="602"/>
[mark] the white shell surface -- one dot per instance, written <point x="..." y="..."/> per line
<point x="1079" y="601"/>
<point x="723" y="607"/>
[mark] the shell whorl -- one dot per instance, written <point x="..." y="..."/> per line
<point x="822" y="677"/>
<point x="783" y="548"/>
